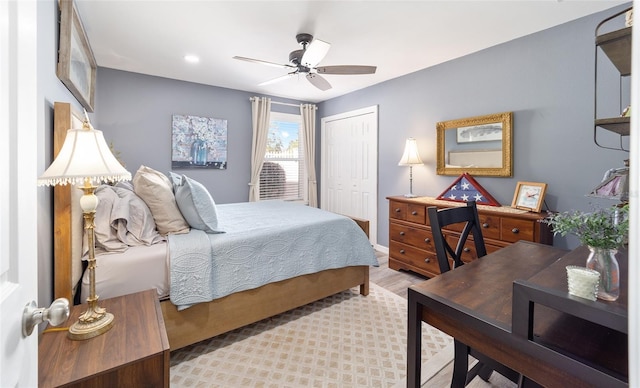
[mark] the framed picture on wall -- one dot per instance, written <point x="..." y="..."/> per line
<point x="76" y="63"/>
<point x="198" y="142"/>
<point x="478" y="133"/>
<point x="529" y="196"/>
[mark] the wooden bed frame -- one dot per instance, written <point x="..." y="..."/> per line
<point x="203" y="320"/>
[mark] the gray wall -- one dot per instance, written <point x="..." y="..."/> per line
<point x="546" y="79"/>
<point x="50" y="90"/>
<point x="134" y="112"/>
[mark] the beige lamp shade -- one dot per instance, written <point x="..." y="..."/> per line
<point x="84" y="155"/>
<point x="411" y="155"/>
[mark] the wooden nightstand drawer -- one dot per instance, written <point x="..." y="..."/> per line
<point x="134" y="353"/>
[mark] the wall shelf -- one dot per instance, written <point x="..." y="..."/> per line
<point x="619" y="125"/>
<point x="616" y="46"/>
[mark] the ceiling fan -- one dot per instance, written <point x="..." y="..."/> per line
<point x="305" y="61"/>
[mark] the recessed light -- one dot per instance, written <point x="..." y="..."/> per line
<point x="191" y="58"/>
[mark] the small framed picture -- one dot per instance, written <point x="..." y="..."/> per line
<point x="529" y="196"/>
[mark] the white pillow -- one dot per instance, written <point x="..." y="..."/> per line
<point x="155" y="190"/>
<point x="195" y="203"/>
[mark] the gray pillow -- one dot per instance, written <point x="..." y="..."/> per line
<point x="122" y="220"/>
<point x="195" y="203"/>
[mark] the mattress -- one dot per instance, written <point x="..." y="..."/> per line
<point x="136" y="269"/>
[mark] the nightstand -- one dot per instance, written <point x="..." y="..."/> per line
<point x="134" y="353"/>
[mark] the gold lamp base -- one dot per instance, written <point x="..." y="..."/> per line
<point x="89" y="328"/>
<point x="96" y="320"/>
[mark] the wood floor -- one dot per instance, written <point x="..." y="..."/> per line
<point x="392" y="280"/>
<point x="398" y="282"/>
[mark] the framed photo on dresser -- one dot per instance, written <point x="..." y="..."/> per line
<point x="529" y="196"/>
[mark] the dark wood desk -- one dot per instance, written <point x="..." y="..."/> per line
<point x="473" y="303"/>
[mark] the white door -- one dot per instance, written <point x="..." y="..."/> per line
<point x="349" y="165"/>
<point x="18" y="191"/>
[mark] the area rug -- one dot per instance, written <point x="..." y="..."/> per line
<point x="345" y="340"/>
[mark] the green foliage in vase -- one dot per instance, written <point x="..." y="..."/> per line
<point x="604" y="228"/>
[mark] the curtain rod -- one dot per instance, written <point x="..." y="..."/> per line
<point x="282" y="103"/>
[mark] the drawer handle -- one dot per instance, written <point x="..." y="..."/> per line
<point x="485" y="225"/>
<point x="427" y="260"/>
<point x="413" y="213"/>
<point x="427" y="240"/>
<point x="467" y="250"/>
<point x="401" y="233"/>
<point x="397" y="210"/>
<point x="402" y="251"/>
<point x="515" y="230"/>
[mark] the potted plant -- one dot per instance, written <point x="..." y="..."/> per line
<point x="603" y="231"/>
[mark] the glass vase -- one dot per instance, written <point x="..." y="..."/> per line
<point x="604" y="261"/>
<point x="199" y="153"/>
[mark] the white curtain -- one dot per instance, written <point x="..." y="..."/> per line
<point x="308" y="113"/>
<point x="260" y="110"/>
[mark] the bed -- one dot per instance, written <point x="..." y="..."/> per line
<point x="189" y="322"/>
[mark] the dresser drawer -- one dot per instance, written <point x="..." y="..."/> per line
<point x="514" y="230"/>
<point x="398" y="210"/>
<point x="415" y="257"/>
<point x="417" y="214"/>
<point x="468" y="252"/>
<point x="489" y="225"/>
<point x="420" y="238"/>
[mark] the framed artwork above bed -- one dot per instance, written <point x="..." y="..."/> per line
<point x="76" y="64"/>
<point x="198" y="142"/>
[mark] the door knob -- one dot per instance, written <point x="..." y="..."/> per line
<point x="56" y="314"/>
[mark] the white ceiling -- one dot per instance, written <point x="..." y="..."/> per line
<point x="399" y="37"/>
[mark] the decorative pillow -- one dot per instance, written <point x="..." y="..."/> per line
<point x="122" y="220"/>
<point x="195" y="203"/>
<point x="155" y="190"/>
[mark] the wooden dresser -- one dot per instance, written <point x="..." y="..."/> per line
<point x="411" y="242"/>
<point x="133" y="353"/>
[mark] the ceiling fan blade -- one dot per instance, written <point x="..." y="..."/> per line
<point x="318" y="81"/>
<point x="286" y="66"/>
<point x="315" y="52"/>
<point x="346" y="69"/>
<point x="278" y="79"/>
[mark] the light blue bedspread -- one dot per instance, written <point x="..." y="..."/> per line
<point x="264" y="242"/>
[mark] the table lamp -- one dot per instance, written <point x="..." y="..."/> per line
<point x="410" y="158"/>
<point x="86" y="158"/>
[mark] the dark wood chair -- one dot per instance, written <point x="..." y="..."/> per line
<point x="444" y="250"/>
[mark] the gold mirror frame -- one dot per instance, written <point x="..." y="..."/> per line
<point x="506" y="169"/>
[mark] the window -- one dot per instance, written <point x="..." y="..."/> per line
<point x="284" y="174"/>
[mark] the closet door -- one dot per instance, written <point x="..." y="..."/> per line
<point x="349" y="165"/>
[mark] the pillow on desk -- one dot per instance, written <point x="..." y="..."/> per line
<point x="155" y="190"/>
<point x="195" y="203"/>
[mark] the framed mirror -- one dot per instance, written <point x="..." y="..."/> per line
<point x="480" y="146"/>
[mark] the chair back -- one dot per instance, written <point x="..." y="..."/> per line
<point x="444" y="217"/>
